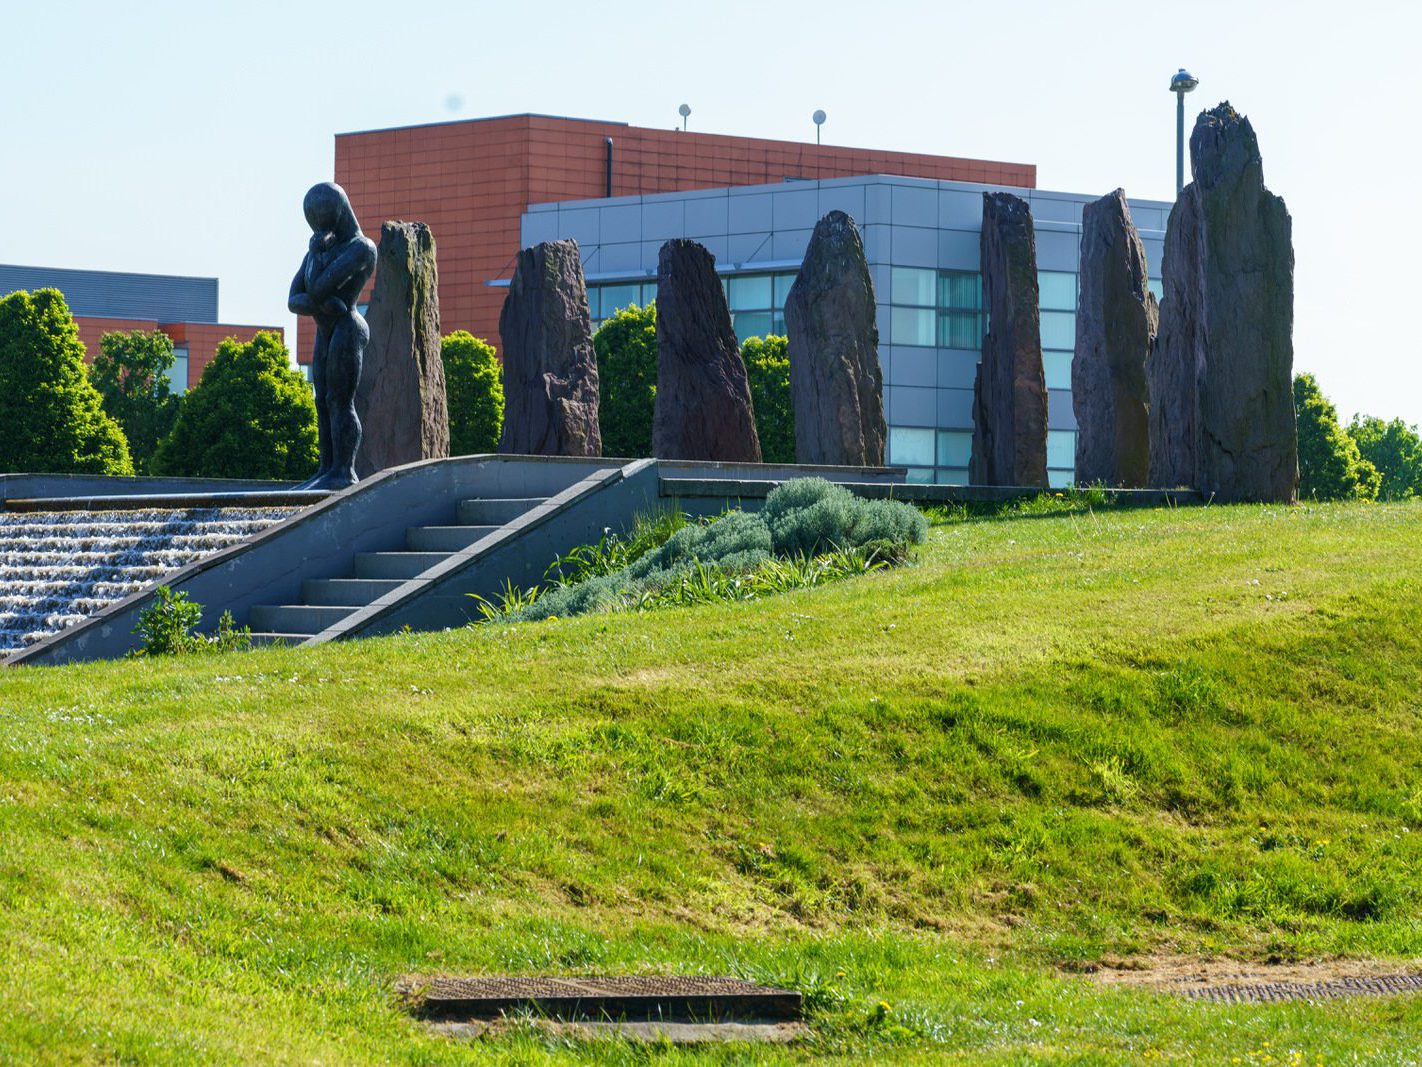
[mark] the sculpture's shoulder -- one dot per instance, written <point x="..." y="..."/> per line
<point x="367" y="247"/>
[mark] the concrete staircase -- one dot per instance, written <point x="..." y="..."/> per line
<point x="326" y="602"/>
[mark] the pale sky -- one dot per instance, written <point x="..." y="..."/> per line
<point x="178" y="138"/>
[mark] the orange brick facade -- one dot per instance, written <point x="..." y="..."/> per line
<point x="471" y="181"/>
<point x="202" y="338"/>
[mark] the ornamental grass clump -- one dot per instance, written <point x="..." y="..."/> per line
<point x="809" y="532"/>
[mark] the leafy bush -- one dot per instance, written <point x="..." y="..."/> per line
<point x="737" y="535"/>
<point x="614" y="551"/>
<point x="130" y="372"/>
<point x="768" y="370"/>
<point x="1330" y="466"/>
<point x="167" y="627"/>
<point x="1395" y="451"/>
<point x="626" y="346"/>
<point x="250" y="416"/>
<point x="474" y="384"/>
<point x="51" y="417"/>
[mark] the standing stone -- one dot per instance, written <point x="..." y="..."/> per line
<point x="1115" y="325"/>
<point x="836" y="386"/>
<point x="550" y="370"/>
<point x="1174" y="368"/>
<point x="1010" y="391"/>
<point x="703" y="408"/>
<point x="1227" y="325"/>
<point x="401" y="397"/>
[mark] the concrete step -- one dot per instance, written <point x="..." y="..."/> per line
<point x="444" y="538"/>
<point x="348" y="592"/>
<point x="278" y="639"/>
<point x="395" y="564"/>
<point x="296" y="618"/>
<point x="497" y="510"/>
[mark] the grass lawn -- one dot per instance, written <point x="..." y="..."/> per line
<point x="929" y="798"/>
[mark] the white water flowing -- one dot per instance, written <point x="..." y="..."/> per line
<point x="58" y="567"/>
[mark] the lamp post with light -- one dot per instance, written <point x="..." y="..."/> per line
<point x="1182" y="83"/>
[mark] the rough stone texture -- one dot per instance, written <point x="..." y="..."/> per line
<point x="703" y="406"/>
<point x="1010" y="391"/>
<point x="1226" y="326"/>
<point x="1173" y="370"/>
<point x="1115" y="325"/>
<point x="550" y="370"/>
<point x="401" y="400"/>
<point x="836" y="385"/>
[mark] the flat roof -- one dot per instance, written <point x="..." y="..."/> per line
<point x="485" y="118"/>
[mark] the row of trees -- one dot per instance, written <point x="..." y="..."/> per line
<point x="1369" y="459"/>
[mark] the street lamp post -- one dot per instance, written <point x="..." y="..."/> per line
<point x="1182" y="83"/>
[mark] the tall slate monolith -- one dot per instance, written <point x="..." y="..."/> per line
<point x="703" y="406"/>
<point x="1226" y="326"/>
<point x="1115" y="325"/>
<point x="401" y="397"/>
<point x="1010" y="391"/>
<point x="836" y="385"/>
<point x="550" y="369"/>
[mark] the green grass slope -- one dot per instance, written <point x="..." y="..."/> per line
<point x="926" y="798"/>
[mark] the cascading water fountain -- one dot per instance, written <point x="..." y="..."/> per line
<point x="58" y="567"/>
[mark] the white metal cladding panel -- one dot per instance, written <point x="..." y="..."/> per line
<point x="107" y="294"/>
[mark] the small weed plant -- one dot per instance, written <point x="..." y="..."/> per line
<point x="168" y="627"/>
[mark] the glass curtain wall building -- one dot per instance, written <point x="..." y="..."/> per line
<point x="921" y="238"/>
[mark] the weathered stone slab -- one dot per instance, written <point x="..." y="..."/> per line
<point x="1010" y="391"/>
<point x="836" y="384"/>
<point x="401" y="397"/>
<point x="1115" y="325"/>
<point x="703" y="408"/>
<point x="1227" y="323"/>
<point x="550" y="369"/>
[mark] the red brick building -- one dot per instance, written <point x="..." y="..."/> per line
<point x="472" y="180"/>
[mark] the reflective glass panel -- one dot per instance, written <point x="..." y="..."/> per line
<point x="912" y="286"/>
<point x="911" y="326"/>
<point x="617" y="297"/>
<point x="1057" y="368"/>
<point x="909" y="447"/>
<point x="1058" y="329"/>
<point x="1156" y="286"/>
<point x="960" y="329"/>
<point x="751" y="324"/>
<point x="960" y="289"/>
<point x="751" y="292"/>
<point x="595" y="301"/>
<point x="649" y="293"/>
<point x="1058" y="290"/>
<point x="783" y="282"/>
<point x="1061" y="449"/>
<point x="178" y="372"/>
<point x="954" y="448"/>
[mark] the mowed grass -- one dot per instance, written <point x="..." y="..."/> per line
<point x="928" y="798"/>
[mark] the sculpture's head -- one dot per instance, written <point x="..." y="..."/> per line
<point x="328" y="210"/>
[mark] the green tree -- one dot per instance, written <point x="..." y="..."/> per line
<point x="474" y="384"/>
<point x="768" y="368"/>
<point x="51" y="417"/>
<point x="1395" y="449"/>
<point x="1330" y="467"/>
<point x="131" y="373"/>
<point x="626" y="346"/>
<point x="250" y="416"/>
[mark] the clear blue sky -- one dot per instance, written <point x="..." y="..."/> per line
<point x="179" y="137"/>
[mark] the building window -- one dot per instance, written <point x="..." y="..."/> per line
<point x="757" y="303"/>
<point x="942" y="308"/>
<point x="178" y="372"/>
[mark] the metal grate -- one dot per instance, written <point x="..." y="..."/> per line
<point x="1268" y="992"/>
<point x="692" y="997"/>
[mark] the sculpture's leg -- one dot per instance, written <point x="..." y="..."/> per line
<point x="323" y="421"/>
<point x="343" y="361"/>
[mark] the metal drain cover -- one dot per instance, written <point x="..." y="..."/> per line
<point x="1330" y="989"/>
<point x="681" y="998"/>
